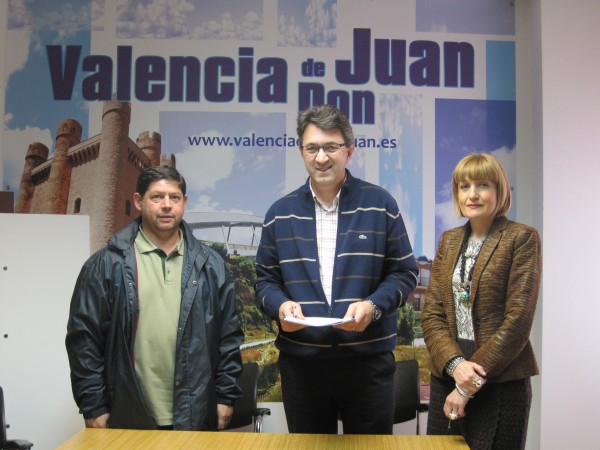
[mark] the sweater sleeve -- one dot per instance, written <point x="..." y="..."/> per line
<point x="400" y="271"/>
<point x="269" y="288"/>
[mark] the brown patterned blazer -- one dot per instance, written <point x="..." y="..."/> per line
<point x="504" y="289"/>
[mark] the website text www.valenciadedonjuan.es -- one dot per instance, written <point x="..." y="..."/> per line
<point x="253" y="140"/>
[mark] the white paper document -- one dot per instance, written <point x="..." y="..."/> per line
<point x="318" y="321"/>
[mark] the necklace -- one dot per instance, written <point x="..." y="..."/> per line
<point x="464" y="295"/>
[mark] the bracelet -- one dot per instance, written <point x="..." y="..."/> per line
<point x="463" y="393"/>
<point x="449" y="369"/>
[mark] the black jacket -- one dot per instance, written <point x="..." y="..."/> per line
<point x="101" y="331"/>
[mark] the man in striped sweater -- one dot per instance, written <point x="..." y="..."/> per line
<point x="336" y="247"/>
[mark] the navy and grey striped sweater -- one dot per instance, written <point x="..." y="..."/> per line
<point x="373" y="260"/>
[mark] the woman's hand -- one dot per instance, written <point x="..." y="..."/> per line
<point x="469" y="377"/>
<point x="455" y="403"/>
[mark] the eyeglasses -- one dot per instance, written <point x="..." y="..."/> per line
<point x="330" y="148"/>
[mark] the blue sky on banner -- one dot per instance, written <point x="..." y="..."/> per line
<point x="300" y="23"/>
<point x="214" y="173"/>
<point x="466" y="16"/>
<point x="469" y="126"/>
<point x="31" y="114"/>
<point x="401" y="168"/>
<point x="185" y="19"/>
<point x="227" y="177"/>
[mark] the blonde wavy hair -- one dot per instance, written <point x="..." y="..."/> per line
<point x="482" y="167"/>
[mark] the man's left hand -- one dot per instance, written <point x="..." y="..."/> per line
<point x="363" y="316"/>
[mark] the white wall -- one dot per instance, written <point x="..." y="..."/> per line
<point x="3" y="13"/>
<point x="529" y="173"/>
<point x="40" y="257"/>
<point x="569" y="127"/>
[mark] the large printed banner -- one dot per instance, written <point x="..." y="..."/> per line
<point x="96" y="90"/>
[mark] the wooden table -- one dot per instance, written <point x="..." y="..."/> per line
<point x="154" y="439"/>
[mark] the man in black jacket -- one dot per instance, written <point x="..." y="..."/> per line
<point x="153" y="335"/>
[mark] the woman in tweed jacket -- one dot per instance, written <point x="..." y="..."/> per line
<point x="479" y="310"/>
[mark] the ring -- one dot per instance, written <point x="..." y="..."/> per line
<point x="453" y="415"/>
<point x="478" y="382"/>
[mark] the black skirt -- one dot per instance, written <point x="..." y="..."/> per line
<point x="495" y="419"/>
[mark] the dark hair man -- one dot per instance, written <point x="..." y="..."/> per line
<point x="335" y="248"/>
<point x="153" y="336"/>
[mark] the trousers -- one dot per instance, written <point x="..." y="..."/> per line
<point x="359" y="391"/>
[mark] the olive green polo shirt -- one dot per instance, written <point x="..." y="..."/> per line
<point x="159" y="297"/>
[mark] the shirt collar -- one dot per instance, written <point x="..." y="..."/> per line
<point x="318" y="202"/>
<point x="145" y="245"/>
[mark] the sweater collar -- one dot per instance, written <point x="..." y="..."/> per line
<point x="308" y="198"/>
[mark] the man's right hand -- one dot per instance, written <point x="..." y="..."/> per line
<point x="290" y="309"/>
<point x="98" y="422"/>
